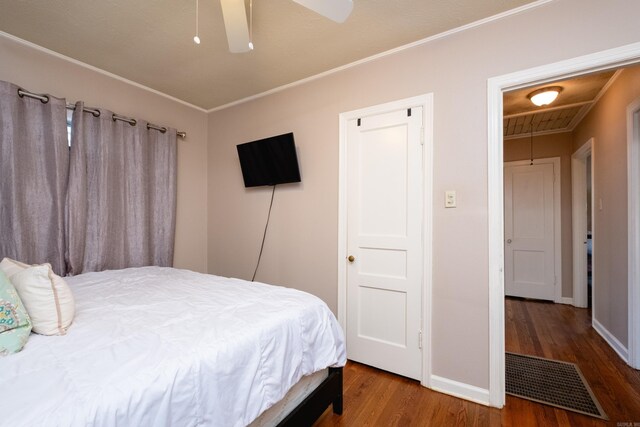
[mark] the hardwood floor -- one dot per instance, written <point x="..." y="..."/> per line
<point x="377" y="398"/>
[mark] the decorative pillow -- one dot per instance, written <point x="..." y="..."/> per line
<point x="45" y="295"/>
<point x="11" y="267"/>
<point x="15" y="325"/>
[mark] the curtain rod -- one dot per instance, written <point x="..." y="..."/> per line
<point x="45" y="98"/>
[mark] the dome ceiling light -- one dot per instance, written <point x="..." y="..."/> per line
<point x="544" y="96"/>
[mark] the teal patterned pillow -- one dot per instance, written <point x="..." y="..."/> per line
<point x="15" y="325"/>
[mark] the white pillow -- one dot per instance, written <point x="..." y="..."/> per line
<point x="45" y="295"/>
<point x="11" y="266"/>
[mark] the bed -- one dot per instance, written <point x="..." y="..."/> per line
<point x="158" y="346"/>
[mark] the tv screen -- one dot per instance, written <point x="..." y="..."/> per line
<point x="269" y="161"/>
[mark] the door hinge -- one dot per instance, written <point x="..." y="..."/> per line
<point x="408" y="112"/>
<point x="420" y="339"/>
<point x="359" y="122"/>
<point x="422" y="136"/>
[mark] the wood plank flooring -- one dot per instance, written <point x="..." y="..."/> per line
<point x="376" y="398"/>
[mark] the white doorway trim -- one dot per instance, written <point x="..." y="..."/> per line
<point x="426" y="102"/>
<point x="557" y="218"/>
<point x="599" y="61"/>
<point x="633" y="200"/>
<point x="579" y="222"/>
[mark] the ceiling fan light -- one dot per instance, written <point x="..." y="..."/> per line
<point x="545" y="96"/>
<point x="196" y="39"/>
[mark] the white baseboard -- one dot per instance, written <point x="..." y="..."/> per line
<point x="611" y="340"/>
<point x="461" y="390"/>
<point x="566" y="300"/>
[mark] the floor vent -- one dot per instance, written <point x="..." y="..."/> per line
<point x="551" y="382"/>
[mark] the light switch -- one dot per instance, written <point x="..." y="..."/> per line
<point x="450" y="199"/>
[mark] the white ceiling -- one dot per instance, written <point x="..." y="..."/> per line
<point x="150" y="42"/>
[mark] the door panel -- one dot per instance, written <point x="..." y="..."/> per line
<point x="383" y="262"/>
<point x="384" y="234"/>
<point x="383" y="182"/>
<point x="384" y="329"/>
<point x="529" y="231"/>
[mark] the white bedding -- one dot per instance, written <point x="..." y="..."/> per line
<point x="163" y="347"/>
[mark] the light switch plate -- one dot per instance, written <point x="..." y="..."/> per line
<point x="450" y="199"/>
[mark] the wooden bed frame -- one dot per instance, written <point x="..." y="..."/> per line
<point x="309" y="410"/>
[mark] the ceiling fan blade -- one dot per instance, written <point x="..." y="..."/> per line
<point x="336" y="10"/>
<point x="235" y="23"/>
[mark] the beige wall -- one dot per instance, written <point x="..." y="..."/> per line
<point x="44" y="73"/>
<point x="607" y="124"/>
<point x="546" y="146"/>
<point x="301" y="249"/>
<point x="223" y="234"/>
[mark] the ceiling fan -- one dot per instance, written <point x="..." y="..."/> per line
<point x="235" y="18"/>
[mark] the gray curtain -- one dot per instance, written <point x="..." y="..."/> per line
<point x="121" y="199"/>
<point x="34" y="162"/>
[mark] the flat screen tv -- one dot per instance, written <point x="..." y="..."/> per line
<point x="269" y="161"/>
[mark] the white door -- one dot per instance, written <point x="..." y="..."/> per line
<point x="384" y="237"/>
<point x="529" y="231"/>
<point x="580" y="182"/>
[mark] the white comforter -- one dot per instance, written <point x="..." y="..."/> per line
<point x="158" y="346"/>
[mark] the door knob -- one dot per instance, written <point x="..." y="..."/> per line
<point x="351" y="258"/>
<point x="509" y="241"/>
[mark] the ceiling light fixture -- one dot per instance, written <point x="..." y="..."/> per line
<point x="251" y="24"/>
<point x="196" y="39"/>
<point x="544" y="96"/>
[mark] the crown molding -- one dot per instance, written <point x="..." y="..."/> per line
<point x="97" y="70"/>
<point x="393" y="51"/>
<point x="499" y="16"/>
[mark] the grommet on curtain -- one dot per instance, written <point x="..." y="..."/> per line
<point x="158" y="128"/>
<point x="95" y="111"/>
<point x="132" y="122"/>
<point x="43" y="98"/>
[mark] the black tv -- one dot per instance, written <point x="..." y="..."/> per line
<point x="269" y="161"/>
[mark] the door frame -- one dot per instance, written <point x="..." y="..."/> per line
<point x="607" y="59"/>
<point x="633" y="201"/>
<point x="426" y="102"/>
<point x="579" y="224"/>
<point x="557" y="218"/>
